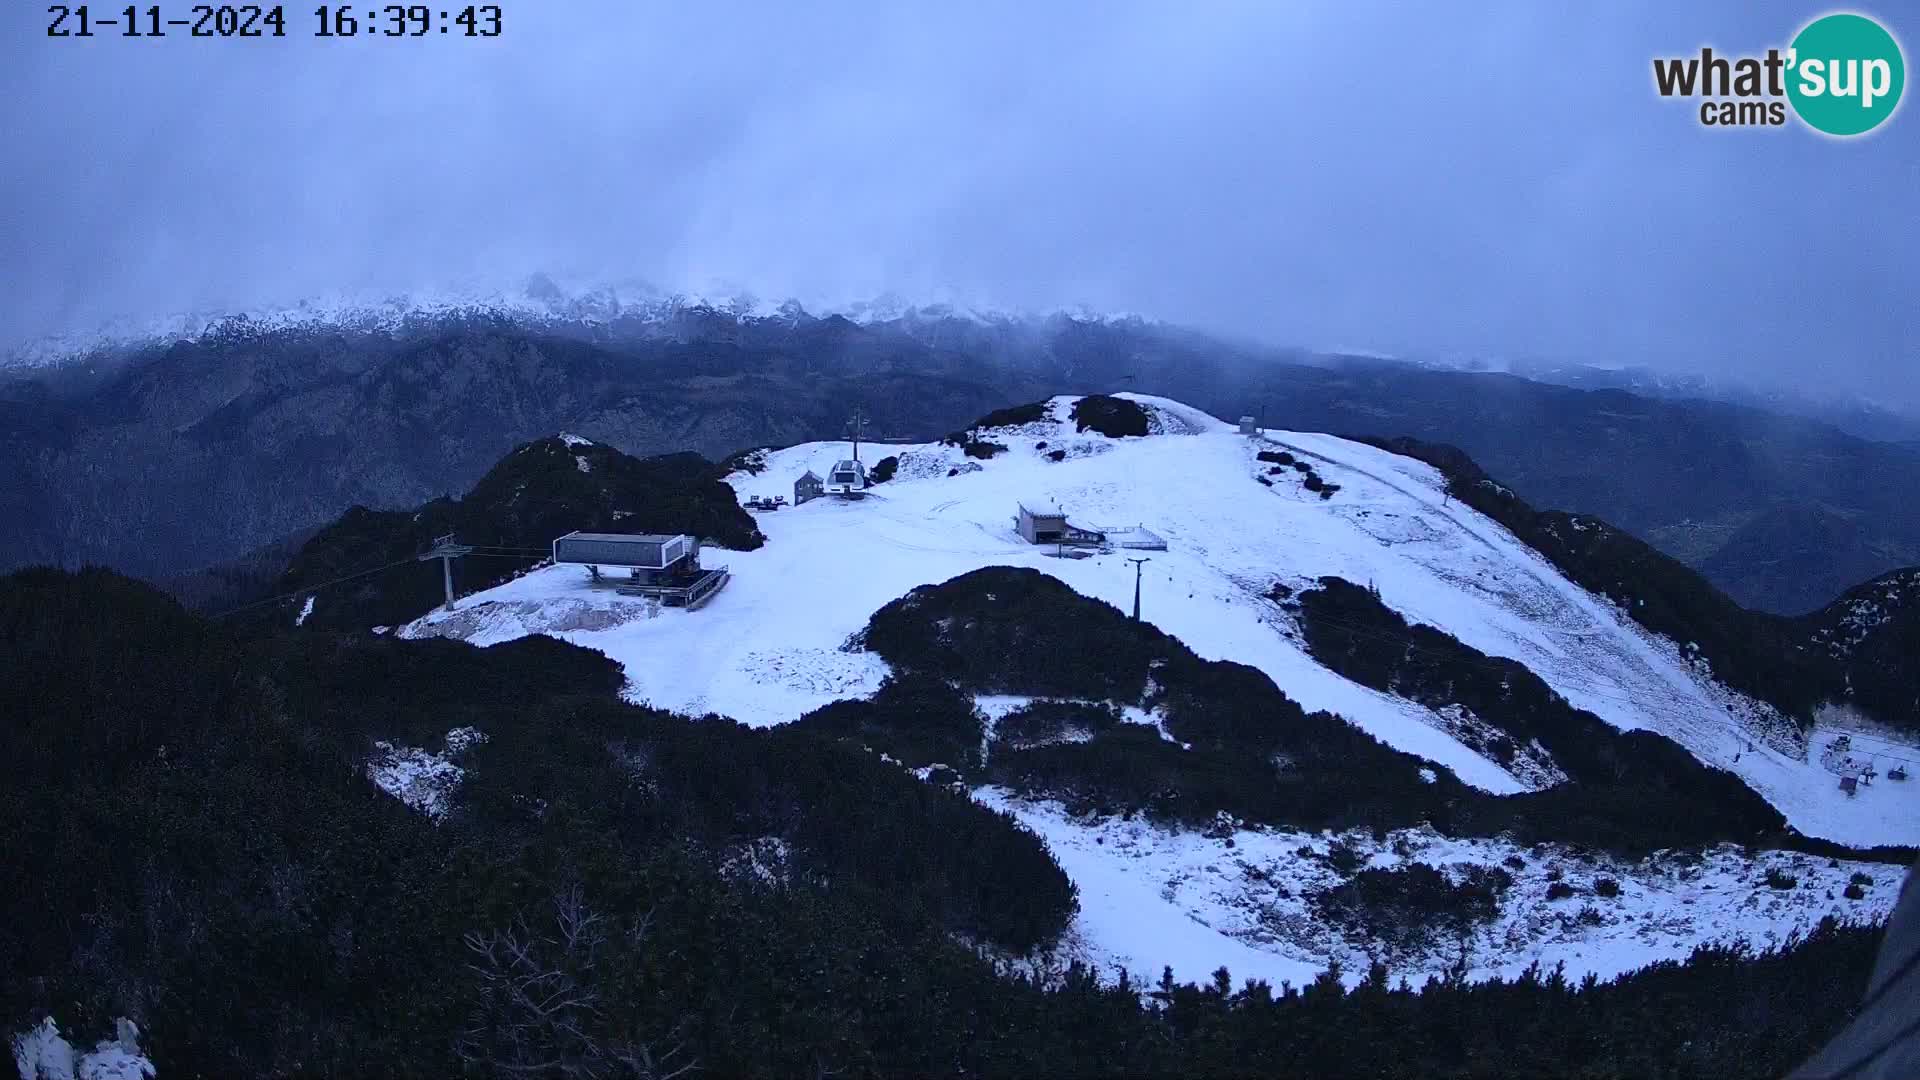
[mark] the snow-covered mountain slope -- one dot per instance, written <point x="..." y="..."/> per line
<point x="771" y="646"/>
<point x="1243" y="898"/>
<point x="768" y="648"/>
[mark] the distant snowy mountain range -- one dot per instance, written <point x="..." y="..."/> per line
<point x="540" y="301"/>
<point x="172" y="445"/>
<point x="1856" y="414"/>
<point x="548" y="301"/>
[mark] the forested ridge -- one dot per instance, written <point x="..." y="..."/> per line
<point x="200" y="849"/>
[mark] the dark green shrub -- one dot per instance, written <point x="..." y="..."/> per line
<point x="1030" y="413"/>
<point x="917" y="719"/>
<point x="1343" y="858"/>
<point x="191" y="825"/>
<point x="1050" y="721"/>
<point x="1116" y="418"/>
<point x="1405" y="905"/>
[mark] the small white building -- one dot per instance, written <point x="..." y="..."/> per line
<point x="1248" y="426"/>
<point x="1052" y="527"/>
<point x="847" y="479"/>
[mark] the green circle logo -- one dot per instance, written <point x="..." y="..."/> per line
<point x="1845" y="74"/>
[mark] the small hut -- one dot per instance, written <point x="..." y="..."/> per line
<point x="1040" y="527"/>
<point x="809" y="486"/>
<point x="1248" y="426"/>
<point x="1052" y="527"/>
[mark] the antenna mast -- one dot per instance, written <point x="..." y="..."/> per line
<point x="856" y="424"/>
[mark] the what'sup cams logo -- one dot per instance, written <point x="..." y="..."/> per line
<point x="1841" y="76"/>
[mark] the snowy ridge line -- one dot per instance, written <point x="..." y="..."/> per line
<point x="1486" y="662"/>
<point x="537" y="302"/>
<point x="1669" y="692"/>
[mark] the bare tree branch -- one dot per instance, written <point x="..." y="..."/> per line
<point x="538" y="1005"/>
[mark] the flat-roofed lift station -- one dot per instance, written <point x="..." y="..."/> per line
<point x="662" y="567"/>
<point x="649" y="551"/>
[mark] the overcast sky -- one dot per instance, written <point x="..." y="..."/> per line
<point x="1501" y="183"/>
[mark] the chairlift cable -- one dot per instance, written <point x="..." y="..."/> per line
<point x="311" y="588"/>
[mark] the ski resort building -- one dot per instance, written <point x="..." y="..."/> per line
<point x="1137" y="537"/>
<point x="809" y="486"/>
<point x="666" y="568"/>
<point x="1052" y="527"/>
<point x="847" y="479"/>
<point x="1248" y="426"/>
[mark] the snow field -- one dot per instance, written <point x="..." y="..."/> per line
<point x="773" y="646"/>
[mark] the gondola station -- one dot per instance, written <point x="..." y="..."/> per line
<point x="662" y="567"/>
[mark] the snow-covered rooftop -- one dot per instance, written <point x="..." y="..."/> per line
<point x="630" y="538"/>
